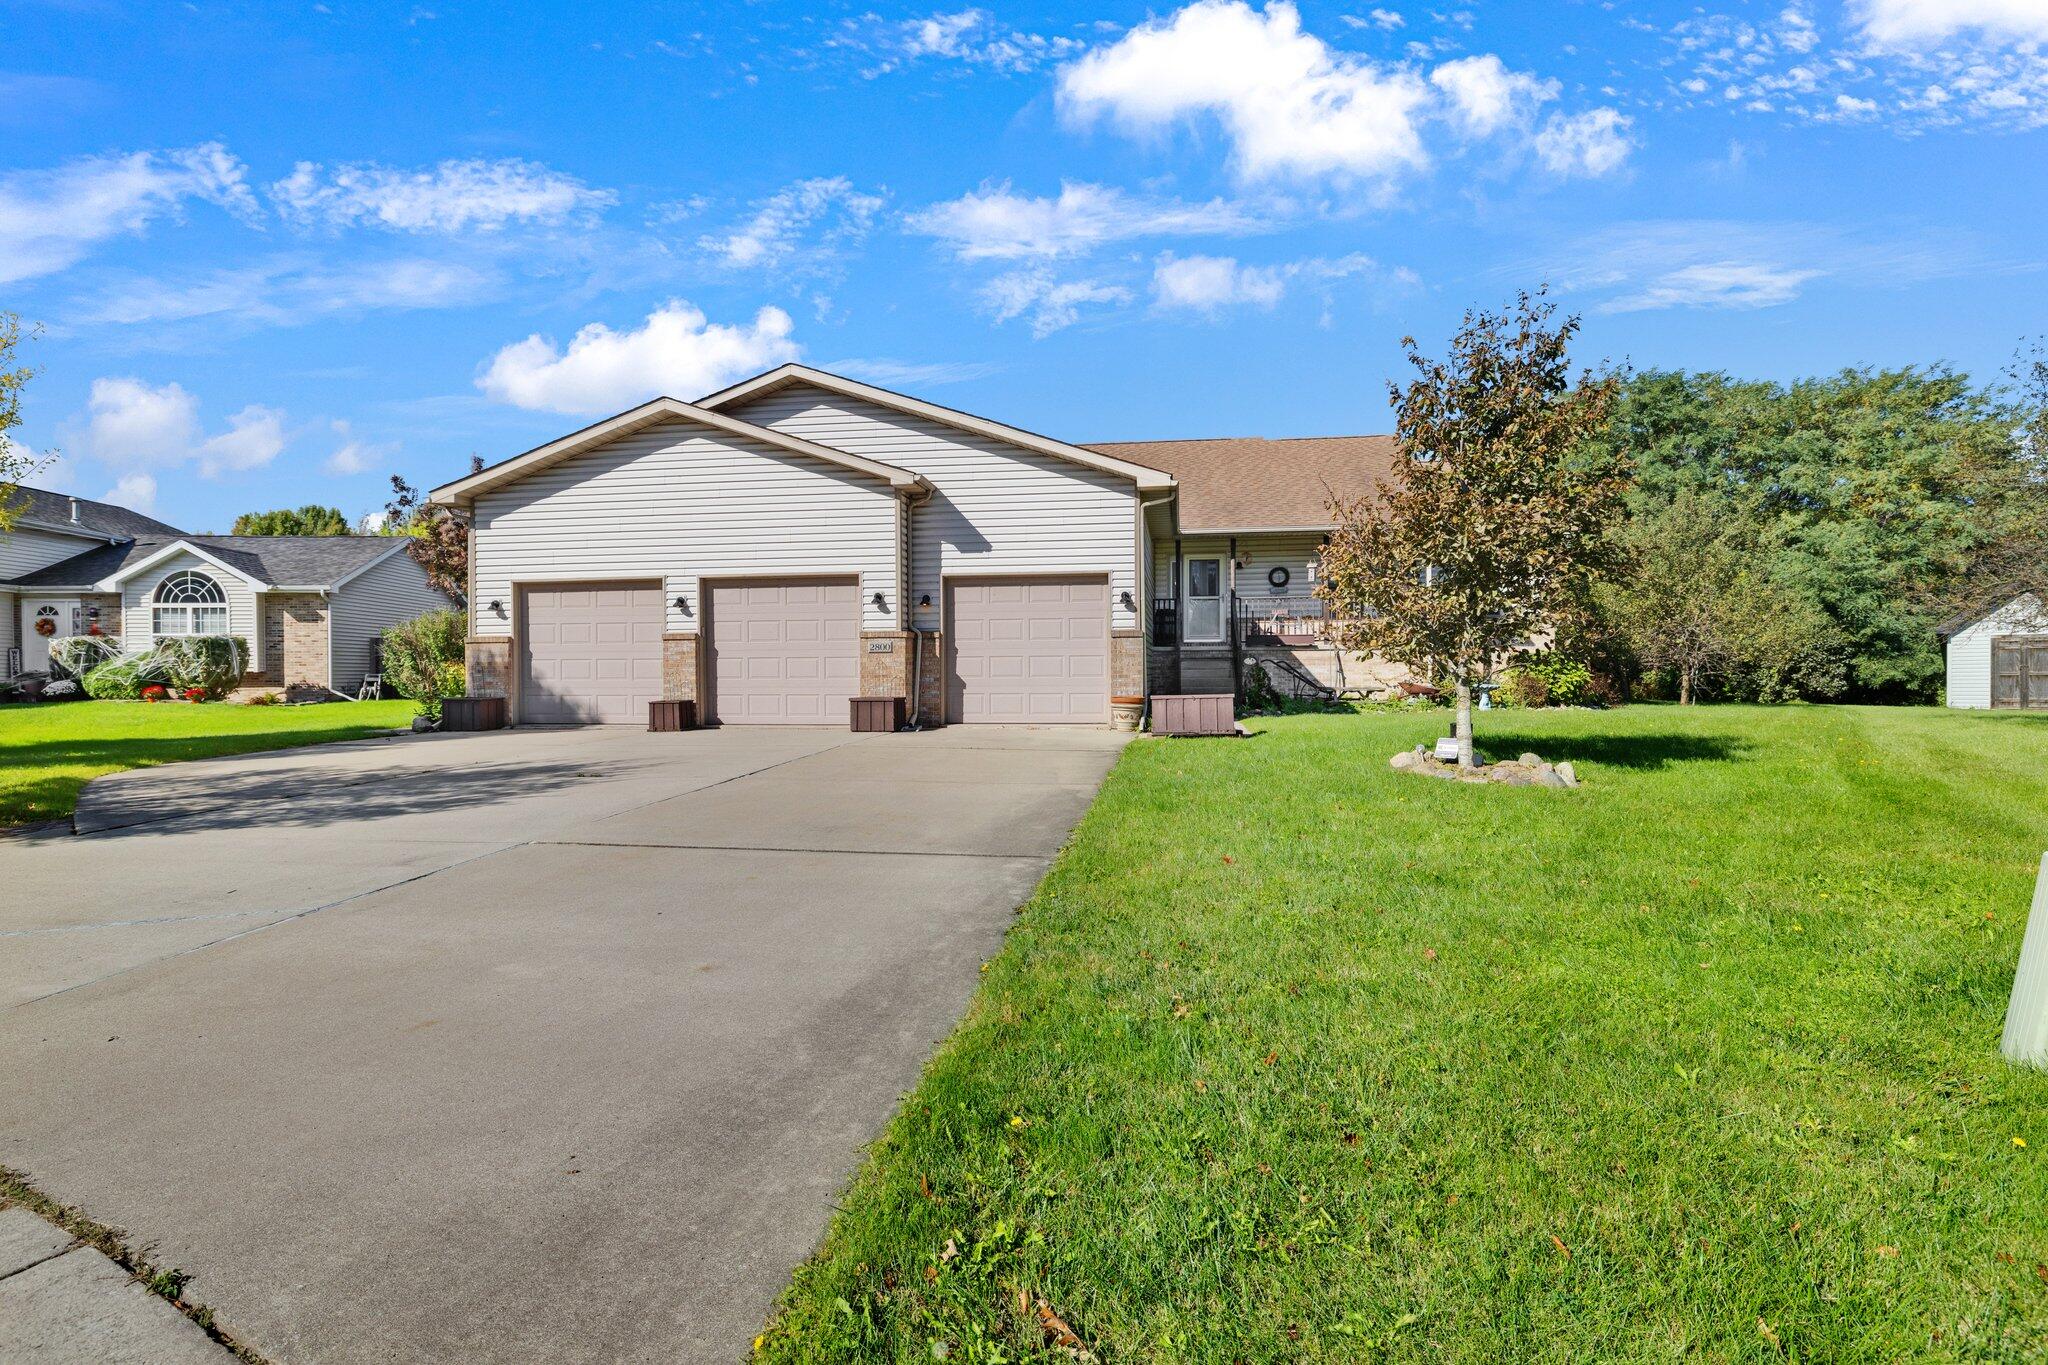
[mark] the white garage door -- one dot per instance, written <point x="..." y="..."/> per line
<point x="592" y="653"/>
<point x="1031" y="651"/>
<point x="783" y="651"/>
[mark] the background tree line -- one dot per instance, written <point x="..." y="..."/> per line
<point x="1805" y="540"/>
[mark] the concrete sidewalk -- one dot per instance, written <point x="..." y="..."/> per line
<point x="530" y="1045"/>
<point x="64" y="1303"/>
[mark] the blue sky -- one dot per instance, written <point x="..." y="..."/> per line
<point x="280" y="252"/>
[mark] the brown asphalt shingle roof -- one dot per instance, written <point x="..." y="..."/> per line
<point x="1244" y="483"/>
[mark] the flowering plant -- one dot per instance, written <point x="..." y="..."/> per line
<point x="155" y="692"/>
<point x="194" y="694"/>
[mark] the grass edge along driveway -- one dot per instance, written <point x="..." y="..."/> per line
<point x="50" y="750"/>
<point x="1294" y="1058"/>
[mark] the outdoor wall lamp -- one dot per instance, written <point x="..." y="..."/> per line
<point x="924" y="599"/>
<point x="881" y="603"/>
<point x="682" y="606"/>
<point x="1125" y="598"/>
<point x="497" y="607"/>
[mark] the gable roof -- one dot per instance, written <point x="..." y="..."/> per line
<point x="1250" y="483"/>
<point x="55" y="511"/>
<point x="1998" y="602"/>
<point x="1147" y="477"/>
<point x="264" y="562"/>
<point x="648" y="414"/>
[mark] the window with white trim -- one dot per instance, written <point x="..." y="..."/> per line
<point x="188" y="603"/>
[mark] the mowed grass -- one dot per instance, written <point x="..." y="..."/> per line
<point x="1295" y="1058"/>
<point x="49" y="750"/>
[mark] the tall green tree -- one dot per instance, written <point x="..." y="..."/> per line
<point x="1867" y="494"/>
<point x="310" y="520"/>
<point x="17" y="462"/>
<point x="1497" y="517"/>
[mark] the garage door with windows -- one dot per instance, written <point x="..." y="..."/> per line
<point x="784" y="651"/>
<point x="1028" y="651"/>
<point x="591" y="653"/>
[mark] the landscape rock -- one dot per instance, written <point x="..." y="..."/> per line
<point x="1568" y="773"/>
<point x="1527" y="771"/>
<point x="1530" y="761"/>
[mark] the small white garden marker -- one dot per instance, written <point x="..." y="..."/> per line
<point x="2026" y="1018"/>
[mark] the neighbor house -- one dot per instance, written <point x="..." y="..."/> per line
<point x="1998" y="654"/>
<point x="802" y="538"/>
<point x="310" y="607"/>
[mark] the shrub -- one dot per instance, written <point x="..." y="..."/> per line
<point x="423" y="658"/>
<point x="78" y="655"/>
<point x="1546" y="679"/>
<point x="123" y="679"/>
<point x="210" y="664"/>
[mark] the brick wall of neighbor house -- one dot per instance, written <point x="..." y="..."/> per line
<point x="886" y="673"/>
<point x="490" y="667"/>
<point x="109" y="604"/>
<point x="295" y="642"/>
<point x="1126" y="663"/>
<point x="679" y="655"/>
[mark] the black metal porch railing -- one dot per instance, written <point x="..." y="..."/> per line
<point x="1297" y="621"/>
<point x="1165" y="621"/>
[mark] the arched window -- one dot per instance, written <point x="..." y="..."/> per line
<point x="188" y="603"/>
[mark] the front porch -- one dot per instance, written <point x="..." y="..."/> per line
<point x="1291" y="636"/>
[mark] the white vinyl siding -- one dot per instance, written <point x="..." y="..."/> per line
<point x="25" y="549"/>
<point x="999" y="508"/>
<point x="137" y="603"/>
<point x="1969" y="649"/>
<point x="682" y="502"/>
<point x="395" y="590"/>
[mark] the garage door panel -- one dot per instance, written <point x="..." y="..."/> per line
<point x="1031" y="652"/>
<point x="590" y="655"/>
<point x="783" y="651"/>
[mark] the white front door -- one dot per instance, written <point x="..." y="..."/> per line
<point x="1205" y="601"/>
<point x="64" y="615"/>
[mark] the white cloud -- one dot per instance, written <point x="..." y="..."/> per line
<point x="51" y="219"/>
<point x="1050" y="303"/>
<point x="1849" y="106"/>
<point x="131" y="426"/>
<point x="1913" y="23"/>
<point x="134" y="491"/>
<point x="1208" y="283"/>
<point x="1594" y="143"/>
<point x="1719" y="284"/>
<point x="970" y="36"/>
<point x="1486" y="97"/>
<point x="774" y="233"/>
<point x="997" y="223"/>
<point x="355" y="455"/>
<point x="1292" y="106"/>
<point x="455" y="196"/>
<point x="286" y="292"/>
<point x="912" y="373"/>
<point x="677" y="352"/>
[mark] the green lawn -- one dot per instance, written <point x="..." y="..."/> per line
<point x="49" y="750"/>
<point x="1295" y="1058"/>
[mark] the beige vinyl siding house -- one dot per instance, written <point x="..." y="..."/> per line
<point x="812" y="538"/>
<point x="678" y="504"/>
<point x="2011" y="637"/>
<point x="1000" y="510"/>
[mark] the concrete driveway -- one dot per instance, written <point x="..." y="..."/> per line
<point x="536" y="1045"/>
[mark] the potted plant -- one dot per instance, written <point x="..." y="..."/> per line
<point x="1126" y="712"/>
<point x="156" y="692"/>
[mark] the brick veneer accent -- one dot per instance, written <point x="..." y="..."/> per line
<point x="930" y="710"/>
<point x="679" y="667"/>
<point x="295" y="642"/>
<point x="885" y="675"/>
<point x="1126" y="663"/>
<point x="109" y="604"/>
<point x="1164" y="669"/>
<point x="490" y="666"/>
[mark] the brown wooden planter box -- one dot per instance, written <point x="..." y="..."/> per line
<point x="1195" y="714"/>
<point x="473" y="713"/>
<point x="671" y="715"/>
<point x="878" y="715"/>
